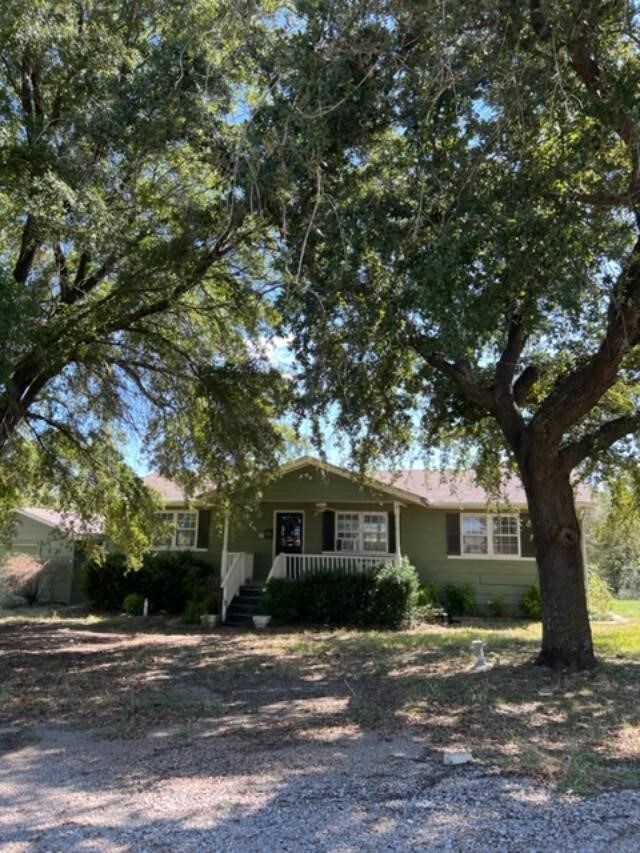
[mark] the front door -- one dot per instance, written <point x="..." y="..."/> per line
<point x="289" y="532"/>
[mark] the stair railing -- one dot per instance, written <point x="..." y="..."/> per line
<point x="237" y="571"/>
<point x="278" y="567"/>
<point x="296" y="566"/>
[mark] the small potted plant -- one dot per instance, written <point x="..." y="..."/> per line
<point x="211" y="606"/>
<point x="261" y="618"/>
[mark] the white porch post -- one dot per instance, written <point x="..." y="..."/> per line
<point x="225" y="542"/>
<point x="223" y="562"/>
<point x="396" y="521"/>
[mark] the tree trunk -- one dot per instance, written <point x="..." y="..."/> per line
<point x="566" y="633"/>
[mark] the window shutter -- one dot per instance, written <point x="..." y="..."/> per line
<point x="391" y="533"/>
<point x="453" y="533"/>
<point x="328" y="530"/>
<point x="527" y="546"/>
<point x="204" y="526"/>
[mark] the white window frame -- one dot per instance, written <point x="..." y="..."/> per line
<point x="174" y="531"/>
<point x="360" y="550"/>
<point x="491" y="555"/>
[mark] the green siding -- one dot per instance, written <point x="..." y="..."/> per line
<point x="38" y="539"/>
<point x="423" y="534"/>
<point x="256" y="542"/>
<point x="311" y="484"/>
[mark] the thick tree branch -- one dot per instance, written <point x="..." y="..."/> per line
<point x="506" y="409"/>
<point x="459" y="372"/>
<point x="27" y="381"/>
<point x="524" y="383"/>
<point x="577" y="392"/>
<point x="81" y="270"/>
<point x="83" y="284"/>
<point x="586" y="67"/>
<point x="28" y="248"/>
<point x="63" y="271"/>
<point x="506" y="366"/>
<point x="600" y="439"/>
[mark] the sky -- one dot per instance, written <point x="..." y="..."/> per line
<point x="277" y="351"/>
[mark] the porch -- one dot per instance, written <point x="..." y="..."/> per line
<point x="343" y="538"/>
<point x="240" y="588"/>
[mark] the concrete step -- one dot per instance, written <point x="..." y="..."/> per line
<point x="238" y="619"/>
<point x="237" y="609"/>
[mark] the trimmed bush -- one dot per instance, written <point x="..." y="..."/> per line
<point x="212" y="602"/>
<point x="531" y="603"/>
<point x="457" y="600"/>
<point x="133" y="604"/>
<point x="168" y="580"/>
<point x="497" y="608"/>
<point x="282" y="601"/>
<point x="384" y="598"/>
<point x="106" y="584"/>
<point x="395" y="595"/>
<point x="427" y="596"/>
<point x="193" y="610"/>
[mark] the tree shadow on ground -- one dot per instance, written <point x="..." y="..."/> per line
<point x="253" y="694"/>
<point x="364" y="792"/>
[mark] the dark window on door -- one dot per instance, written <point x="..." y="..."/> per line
<point x="289" y="527"/>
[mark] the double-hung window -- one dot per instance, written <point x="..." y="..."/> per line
<point x="362" y="532"/>
<point x="490" y="535"/>
<point x="181" y="530"/>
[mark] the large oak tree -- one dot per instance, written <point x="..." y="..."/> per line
<point x="132" y="296"/>
<point x="471" y="252"/>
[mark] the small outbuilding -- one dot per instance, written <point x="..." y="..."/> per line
<point x="42" y="561"/>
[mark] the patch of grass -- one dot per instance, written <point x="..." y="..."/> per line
<point x="50" y="613"/>
<point x="562" y="729"/>
<point x="131" y="678"/>
<point x="626" y="607"/>
<point x="619" y="639"/>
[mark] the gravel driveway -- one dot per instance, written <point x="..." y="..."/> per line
<point x="64" y="790"/>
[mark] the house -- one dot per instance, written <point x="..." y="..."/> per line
<point x="315" y="515"/>
<point x="46" y="550"/>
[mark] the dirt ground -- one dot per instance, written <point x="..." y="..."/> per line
<point x="117" y="738"/>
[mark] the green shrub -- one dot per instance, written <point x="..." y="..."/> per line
<point x="497" y="608"/>
<point x="212" y="602"/>
<point x="281" y="600"/>
<point x="336" y="598"/>
<point x="395" y="595"/>
<point x="457" y="600"/>
<point x="427" y="596"/>
<point x="133" y="604"/>
<point x="428" y="614"/>
<point x="193" y="610"/>
<point x="385" y="597"/>
<point x="599" y="595"/>
<point x="107" y="583"/>
<point x="531" y="603"/>
<point x="168" y="580"/>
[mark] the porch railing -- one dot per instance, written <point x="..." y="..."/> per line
<point x="295" y="566"/>
<point x="238" y="569"/>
